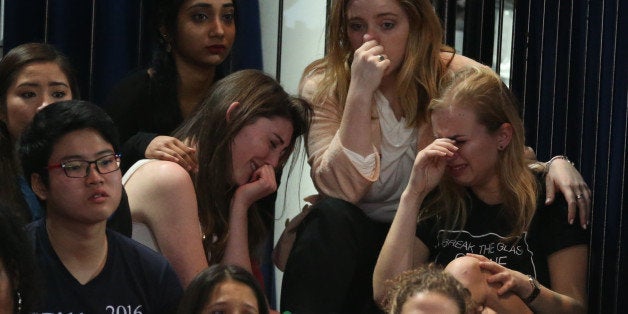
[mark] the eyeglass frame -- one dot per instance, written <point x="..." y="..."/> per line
<point x="89" y="165"/>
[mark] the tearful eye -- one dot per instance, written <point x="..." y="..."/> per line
<point x="356" y="27"/>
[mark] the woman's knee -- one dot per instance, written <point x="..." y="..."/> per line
<point x="337" y="212"/>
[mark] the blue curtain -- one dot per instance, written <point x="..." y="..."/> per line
<point x="569" y="70"/>
<point x="105" y="40"/>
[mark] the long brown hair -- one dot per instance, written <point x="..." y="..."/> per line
<point x="259" y="96"/>
<point x="10" y="67"/>
<point x="420" y="72"/>
<point x="481" y="90"/>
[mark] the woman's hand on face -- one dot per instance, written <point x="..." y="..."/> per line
<point x="172" y="149"/>
<point x="564" y="177"/>
<point x="368" y="67"/>
<point x="429" y="165"/>
<point x="263" y="182"/>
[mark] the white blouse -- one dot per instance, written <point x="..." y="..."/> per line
<point x="398" y="151"/>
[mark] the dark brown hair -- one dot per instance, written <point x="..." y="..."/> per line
<point x="259" y="96"/>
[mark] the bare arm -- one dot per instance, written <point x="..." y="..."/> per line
<point x="161" y="195"/>
<point x="262" y="184"/>
<point x="568" y="275"/>
<point x="402" y="250"/>
<point x="568" y="270"/>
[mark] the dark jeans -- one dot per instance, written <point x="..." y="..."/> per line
<point x="330" y="268"/>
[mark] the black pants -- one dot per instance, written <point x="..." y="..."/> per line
<point x="330" y="268"/>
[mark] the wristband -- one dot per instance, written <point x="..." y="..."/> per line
<point x="536" y="289"/>
<point x="549" y="163"/>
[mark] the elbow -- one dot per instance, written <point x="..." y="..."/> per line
<point x="379" y="293"/>
<point x="578" y="306"/>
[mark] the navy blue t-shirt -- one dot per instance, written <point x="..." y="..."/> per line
<point x="134" y="279"/>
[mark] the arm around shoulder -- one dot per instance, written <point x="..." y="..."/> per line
<point x="457" y="61"/>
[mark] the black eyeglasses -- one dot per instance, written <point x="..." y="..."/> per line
<point x="80" y="168"/>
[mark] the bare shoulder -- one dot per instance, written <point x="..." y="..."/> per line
<point x="160" y="177"/>
<point x="457" y="61"/>
<point x="157" y="187"/>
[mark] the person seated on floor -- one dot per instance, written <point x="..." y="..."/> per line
<point x="69" y="156"/>
<point x="224" y="289"/>
<point x="427" y="289"/>
<point x="485" y="201"/>
<point x="246" y="128"/>
<point x="195" y="38"/>
<point x="32" y="76"/>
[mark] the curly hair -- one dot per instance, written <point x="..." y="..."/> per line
<point x="430" y="278"/>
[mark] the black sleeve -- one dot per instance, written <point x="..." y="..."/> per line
<point x="120" y="220"/>
<point x="426" y="232"/>
<point x="134" y="148"/>
<point x="556" y="233"/>
<point x="549" y="229"/>
<point x="125" y="101"/>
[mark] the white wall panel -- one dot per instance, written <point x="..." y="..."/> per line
<point x="302" y="41"/>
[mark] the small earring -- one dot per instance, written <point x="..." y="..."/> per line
<point x="500" y="147"/>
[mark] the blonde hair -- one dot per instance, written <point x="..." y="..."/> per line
<point x="421" y="69"/>
<point x="482" y="91"/>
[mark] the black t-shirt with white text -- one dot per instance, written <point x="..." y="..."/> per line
<point x="485" y="230"/>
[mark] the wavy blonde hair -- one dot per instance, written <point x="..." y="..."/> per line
<point x="421" y="69"/>
<point x="482" y="91"/>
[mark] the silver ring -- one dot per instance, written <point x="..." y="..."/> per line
<point x="579" y="196"/>
<point x="381" y="58"/>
